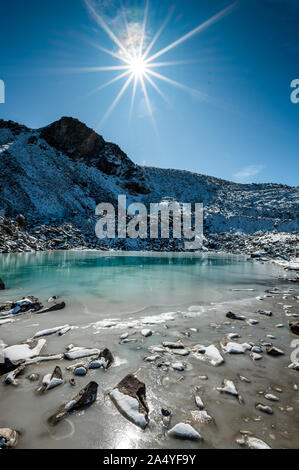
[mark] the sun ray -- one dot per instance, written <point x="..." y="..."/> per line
<point x="155" y="86"/>
<point x="194" y="31"/>
<point x="105" y="85"/>
<point x="159" y="32"/>
<point x="112" y="106"/>
<point x="143" y="29"/>
<point x="92" y="69"/>
<point x="106" y="28"/>
<point x="170" y="63"/>
<point x="193" y="91"/>
<point x="133" y="98"/>
<point x="148" y="104"/>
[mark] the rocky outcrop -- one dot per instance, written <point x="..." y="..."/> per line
<point x="2" y="285"/>
<point x="129" y="396"/>
<point x="86" y="397"/>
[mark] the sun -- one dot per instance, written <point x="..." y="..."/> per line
<point x="136" y="64"/>
<point x="138" y="67"/>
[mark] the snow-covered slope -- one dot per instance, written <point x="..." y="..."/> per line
<point x="58" y="174"/>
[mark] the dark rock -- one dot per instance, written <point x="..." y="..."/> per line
<point x="106" y="354"/>
<point x="294" y="326"/>
<point x="272" y="351"/>
<point x="86" y="397"/>
<point x="20" y="219"/>
<point x="8" y="366"/>
<point x="234" y="316"/>
<point x="73" y="138"/>
<point x="2" y="285"/>
<point x="131" y="386"/>
<point x="55" y="307"/>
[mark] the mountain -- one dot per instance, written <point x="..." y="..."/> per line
<point x="55" y="176"/>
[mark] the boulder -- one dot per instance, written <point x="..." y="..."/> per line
<point x="294" y="327"/>
<point x="86" y="397"/>
<point x="272" y="351"/>
<point x="20" y="219"/>
<point x="2" y="285"/>
<point x="51" y="380"/>
<point x="54" y="307"/>
<point x="8" y="438"/>
<point x="234" y="316"/>
<point x="129" y="396"/>
<point x="11" y="378"/>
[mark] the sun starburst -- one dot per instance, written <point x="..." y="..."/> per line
<point x="135" y="62"/>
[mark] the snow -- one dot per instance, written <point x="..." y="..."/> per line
<point x="20" y="352"/>
<point x="129" y="406"/>
<point x="208" y="354"/>
<point x="50" y="331"/>
<point x="77" y="353"/>
<point x="184" y="431"/>
<point x="31" y="172"/>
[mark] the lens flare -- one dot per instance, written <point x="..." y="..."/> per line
<point x="135" y="61"/>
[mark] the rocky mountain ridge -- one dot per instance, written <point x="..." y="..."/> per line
<point x="55" y="176"/>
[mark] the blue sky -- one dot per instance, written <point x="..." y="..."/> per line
<point x="244" y="129"/>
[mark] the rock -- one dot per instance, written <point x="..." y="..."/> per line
<point x="257" y="349"/>
<point x="21" y="220"/>
<point x="294" y="327"/>
<point x="80" y="371"/>
<point x="264" y="408"/>
<point x="184" y="431"/>
<point x="107" y="358"/>
<point x="208" y="354"/>
<point x="244" y="379"/>
<point x="77" y="353"/>
<point x="33" y="377"/>
<point x="22" y="352"/>
<point x="294" y="366"/>
<point x="8" y="366"/>
<point x="27" y="304"/>
<point x="234" y="316"/>
<point x="166" y="417"/>
<point x="152" y="358"/>
<point x="124" y="336"/>
<point x="234" y="348"/>
<point x="86" y="397"/>
<point x="129" y="396"/>
<point x="146" y="333"/>
<point x="55" y="307"/>
<point x="229" y="387"/>
<point x="267" y="313"/>
<point x="233" y="335"/>
<point x="65" y="330"/>
<point x="52" y="299"/>
<point x="72" y="382"/>
<point x="178" y="366"/>
<point x="50" y="331"/>
<point x="201" y="417"/>
<point x="252" y="321"/>
<point x="8" y="438"/>
<point x="199" y="402"/>
<point x="171" y="345"/>
<point x="271" y="397"/>
<point x="2" y="285"/>
<point x="252" y="442"/>
<point x="181" y="352"/>
<point x="272" y="351"/>
<point x="255" y="356"/>
<point x="51" y="380"/>
<point x="10" y="379"/>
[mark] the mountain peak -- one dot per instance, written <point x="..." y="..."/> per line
<point x="73" y="137"/>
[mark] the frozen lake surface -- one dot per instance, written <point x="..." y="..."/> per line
<point x="108" y="294"/>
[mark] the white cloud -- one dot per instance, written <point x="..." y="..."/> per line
<point x="247" y="172"/>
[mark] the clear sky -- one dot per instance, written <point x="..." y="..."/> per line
<point x="242" y="126"/>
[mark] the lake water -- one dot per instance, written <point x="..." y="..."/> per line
<point x="108" y="294"/>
